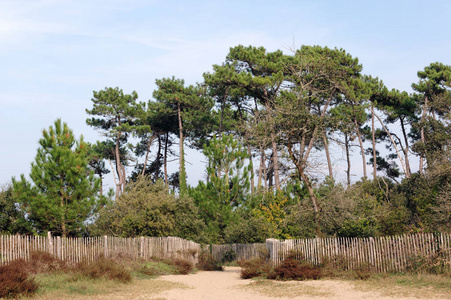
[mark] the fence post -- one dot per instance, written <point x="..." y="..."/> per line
<point x="141" y="246"/>
<point x="50" y="242"/>
<point x="59" y="247"/>
<point x="105" y="246"/>
<point x="270" y="246"/>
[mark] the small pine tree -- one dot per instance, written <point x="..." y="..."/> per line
<point x="63" y="194"/>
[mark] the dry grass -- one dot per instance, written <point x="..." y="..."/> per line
<point x="287" y="289"/>
<point x="425" y="286"/>
<point x="15" y="280"/>
<point x="208" y="263"/>
<point x="107" y="289"/>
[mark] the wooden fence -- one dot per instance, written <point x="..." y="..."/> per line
<point x="238" y="251"/>
<point x="382" y="254"/>
<point x="74" y="250"/>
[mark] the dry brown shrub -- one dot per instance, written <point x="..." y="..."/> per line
<point x="257" y="267"/>
<point x="15" y="280"/>
<point x="44" y="262"/>
<point x="105" y="268"/>
<point x="207" y="262"/>
<point x="184" y="267"/>
<point x="363" y="271"/>
<point x="293" y="269"/>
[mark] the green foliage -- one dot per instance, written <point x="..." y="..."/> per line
<point x="63" y="194"/>
<point x="227" y="186"/>
<point x="248" y="228"/>
<point x="149" y="209"/>
<point x="117" y="113"/>
<point x="12" y="219"/>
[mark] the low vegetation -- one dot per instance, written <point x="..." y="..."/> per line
<point x="43" y="274"/>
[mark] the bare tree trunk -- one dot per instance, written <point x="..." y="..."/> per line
<point x="166" y="159"/>
<point x="158" y="165"/>
<point x="249" y="152"/>
<point x="326" y="148"/>
<point x="118" y="167"/>
<point x="260" y="171"/>
<point x="265" y="177"/>
<point x="348" y="160"/>
<point x="308" y="185"/>
<point x="182" y="175"/>
<point x="147" y="153"/>
<point x="374" y="142"/>
<point x="403" y="165"/>
<point x="275" y="159"/>
<point x="423" y="139"/>
<point x="406" y="148"/>
<point x="361" y="145"/>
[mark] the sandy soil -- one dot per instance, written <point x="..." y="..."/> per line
<point x="229" y="285"/>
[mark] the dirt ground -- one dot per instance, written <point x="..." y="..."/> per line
<point x="229" y="285"/>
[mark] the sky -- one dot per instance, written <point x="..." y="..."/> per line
<point x="54" y="54"/>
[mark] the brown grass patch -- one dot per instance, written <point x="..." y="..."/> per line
<point x="104" y="268"/>
<point x="291" y="268"/>
<point x="16" y="281"/>
<point x="207" y="262"/>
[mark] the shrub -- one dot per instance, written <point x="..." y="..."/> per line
<point x="184" y="267"/>
<point x="256" y="267"/>
<point x="15" y="280"/>
<point x="44" y="262"/>
<point x="208" y="263"/>
<point x="435" y="264"/>
<point x="363" y="271"/>
<point x="105" y="268"/>
<point x="294" y="269"/>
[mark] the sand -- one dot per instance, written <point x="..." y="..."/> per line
<point x="229" y="285"/>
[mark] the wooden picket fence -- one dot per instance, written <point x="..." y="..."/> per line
<point x="238" y="251"/>
<point x="75" y="250"/>
<point x="381" y="254"/>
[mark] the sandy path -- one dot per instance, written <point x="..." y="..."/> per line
<point x="229" y="285"/>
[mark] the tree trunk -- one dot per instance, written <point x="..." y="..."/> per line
<point x="275" y="162"/>
<point x="300" y="168"/>
<point x="423" y="139"/>
<point x="326" y="148"/>
<point x="147" y="153"/>
<point x="394" y="145"/>
<point x="222" y="112"/>
<point x="166" y="159"/>
<point x="158" y="165"/>
<point x="118" y="166"/>
<point x="348" y="160"/>
<point x="374" y="142"/>
<point x="406" y="148"/>
<point x="182" y="174"/>
<point x="63" y="218"/>
<point x="260" y="172"/>
<point x="249" y="152"/>
<point x="361" y="145"/>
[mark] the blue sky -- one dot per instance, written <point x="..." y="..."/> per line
<point x="54" y="54"/>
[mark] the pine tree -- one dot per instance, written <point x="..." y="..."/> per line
<point x="63" y="192"/>
<point x="118" y="113"/>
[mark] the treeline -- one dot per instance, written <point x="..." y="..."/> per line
<point x="269" y="125"/>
